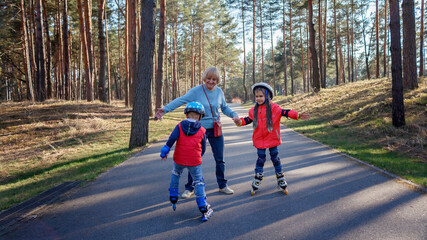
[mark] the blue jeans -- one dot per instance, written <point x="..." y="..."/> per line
<point x="274" y="154"/>
<point x="196" y="172"/>
<point x="217" y="145"/>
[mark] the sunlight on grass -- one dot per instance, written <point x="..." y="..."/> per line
<point x="356" y="119"/>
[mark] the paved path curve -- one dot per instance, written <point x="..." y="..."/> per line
<point x="330" y="197"/>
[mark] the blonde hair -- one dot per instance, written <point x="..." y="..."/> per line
<point x="211" y="71"/>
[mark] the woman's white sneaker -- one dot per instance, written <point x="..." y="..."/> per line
<point x="187" y="194"/>
<point x="226" y="190"/>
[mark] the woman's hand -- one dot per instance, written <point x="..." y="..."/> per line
<point x="237" y="120"/>
<point x="159" y="114"/>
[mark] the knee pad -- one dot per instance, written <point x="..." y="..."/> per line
<point x="276" y="161"/>
<point x="176" y="173"/>
<point x="260" y="162"/>
<point x="199" y="183"/>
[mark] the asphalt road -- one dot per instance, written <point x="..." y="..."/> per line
<point x="330" y="197"/>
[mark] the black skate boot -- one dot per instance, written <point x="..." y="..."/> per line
<point x="173" y="197"/>
<point x="205" y="208"/>
<point x="256" y="182"/>
<point x="281" y="181"/>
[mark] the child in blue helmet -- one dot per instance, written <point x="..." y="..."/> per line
<point x="190" y="146"/>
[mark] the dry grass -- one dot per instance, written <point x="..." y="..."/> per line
<point x="39" y="135"/>
<point x="45" y="144"/>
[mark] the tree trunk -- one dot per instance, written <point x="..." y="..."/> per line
<point x="167" y="86"/>
<point x="224" y="88"/>
<point x="193" y="57"/>
<point x="85" y="52"/>
<point x="325" y="56"/>
<point x="144" y="74"/>
<point x="66" y="57"/>
<point x="352" y="42"/>
<point x="398" y="109"/>
<point x="308" y="55"/>
<point x="253" y="43"/>
<point x="322" y="80"/>
<point x="337" y="72"/>
<point x="285" y="64"/>
<point x="385" y="40"/>
<point x="79" y="70"/>
<point x="366" y="53"/>
<point x="48" y="52"/>
<point x="109" y="60"/>
<point x="27" y="55"/>
<point x="348" y="45"/>
<point x="291" y="49"/>
<point x="132" y="49"/>
<point x="173" y="60"/>
<point x="272" y="56"/>
<point x="377" y="20"/>
<point x="126" y="43"/>
<point x="304" y="80"/>
<point x="341" y="57"/>
<point x="102" y="93"/>
<point x="160" y="54"/>
<point x="422" y="40"/>
<point x="410" y="80"/>
<point x="315" y="65"/>
<point x="262" y="41"/>
<point x="245" y="98"/>
<point x="60" y="52"/>
<point x="40" y="68"/>
<point x="200" y="49"/>
<point x="89" y="47"/>
<point x="119" y="84"/>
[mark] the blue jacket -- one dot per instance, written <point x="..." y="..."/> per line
<point x="216" y="99"/>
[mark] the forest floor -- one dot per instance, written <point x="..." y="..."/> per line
<point x="45" y="144"/>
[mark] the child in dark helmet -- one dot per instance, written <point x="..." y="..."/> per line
<point x="265" y="116"/>
<point x="190" y="146"/>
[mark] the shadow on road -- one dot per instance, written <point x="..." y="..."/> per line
<point x="330" y="197"/>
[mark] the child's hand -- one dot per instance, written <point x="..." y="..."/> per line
<point x="237" y="120"/>
<point x="304" y="116"/>
<point x="164" y="152"/>
<point x="164" y="158"/>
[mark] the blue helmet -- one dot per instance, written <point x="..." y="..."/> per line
<point x="195" y="107"/>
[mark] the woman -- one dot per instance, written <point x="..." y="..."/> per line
<point x="202" y="93"/>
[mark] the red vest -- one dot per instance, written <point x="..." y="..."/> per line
<point x="188" y="149"/>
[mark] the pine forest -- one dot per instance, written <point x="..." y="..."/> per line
<point x="88" y="50"/>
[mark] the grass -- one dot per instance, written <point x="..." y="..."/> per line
<point x="355" y="119"/>
<point x="46" y="144"/>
